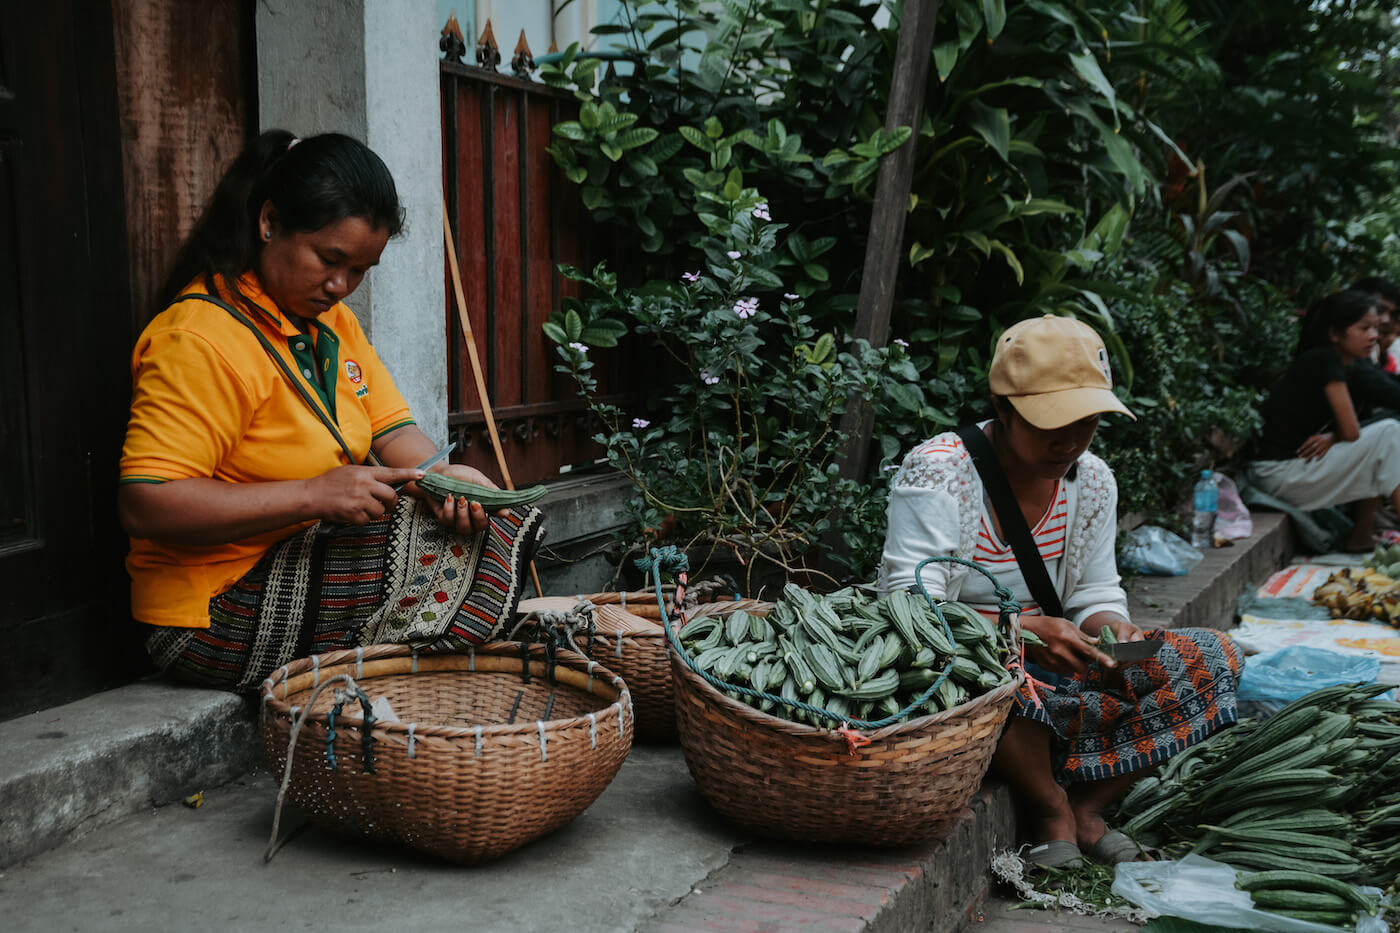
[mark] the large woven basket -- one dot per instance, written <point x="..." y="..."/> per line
<point x="798" y="782"/>
<point x="478" y="761"/>
<point x="634" y="646"/>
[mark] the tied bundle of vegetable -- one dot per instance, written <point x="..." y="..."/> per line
<point x="438" y="487"/>
<point x="1306" y="802"/>
<point x="855" y="657"/>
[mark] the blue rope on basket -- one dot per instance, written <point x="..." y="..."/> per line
<point x="672" y="560"/>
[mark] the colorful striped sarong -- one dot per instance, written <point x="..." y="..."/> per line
<point x="1112" y="721"/>
<point x="404" y="579"/>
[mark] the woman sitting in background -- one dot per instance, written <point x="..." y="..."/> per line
<point x="1313" y="451"/>
<point x="1084" y="729"/>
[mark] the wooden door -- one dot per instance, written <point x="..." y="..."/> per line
<point x="65" y="331"/>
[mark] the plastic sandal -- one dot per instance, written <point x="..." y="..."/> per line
<point x="1114" y="847"/>
<point x="1057" y="853"/>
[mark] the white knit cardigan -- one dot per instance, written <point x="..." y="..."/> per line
<point x="937" y="505"/>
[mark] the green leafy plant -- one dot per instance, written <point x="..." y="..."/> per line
<point x="736" y="452"/>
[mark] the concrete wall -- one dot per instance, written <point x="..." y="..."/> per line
<point x="369" y="68"/>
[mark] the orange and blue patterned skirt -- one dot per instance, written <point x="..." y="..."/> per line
<point x="404" y="579"/>
<point x="1112" y="721"/>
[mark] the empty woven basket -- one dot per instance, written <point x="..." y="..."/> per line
<point x="630" y="643"/>
<point x="477" y="761"/>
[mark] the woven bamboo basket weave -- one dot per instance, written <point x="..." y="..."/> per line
<point x="635" y="647"/>
<point x="477" y="763"/>
<point x="798" y="782"/>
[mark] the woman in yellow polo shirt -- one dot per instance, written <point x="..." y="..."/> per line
<point x="259" y="532"/>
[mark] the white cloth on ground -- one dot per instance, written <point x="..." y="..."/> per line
<point x="1350" y="470"/>
<point x="937" y="504"/>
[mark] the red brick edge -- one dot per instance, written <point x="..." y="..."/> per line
<point x="775" y="887"/>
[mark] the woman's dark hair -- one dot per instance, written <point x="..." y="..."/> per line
<point x="311" y="183"/>
<point x="1383" y="288"/>
<point x="1332" y="315"/>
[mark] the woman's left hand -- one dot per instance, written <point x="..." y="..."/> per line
<point x="1121" y="627"/>
<point x="457" y="512"/>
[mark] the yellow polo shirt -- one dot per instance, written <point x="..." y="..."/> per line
<point x="208" y="401"/>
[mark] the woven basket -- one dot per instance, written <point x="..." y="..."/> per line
<point x="798" y="782"/>
<point x="635" y="647"/>
<point x="478" y="763"/>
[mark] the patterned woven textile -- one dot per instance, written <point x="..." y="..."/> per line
<point x="406" y="579"/>
<point x="1109" y="722"/>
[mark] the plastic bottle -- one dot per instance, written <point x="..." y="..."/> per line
<point x="1206" y="503"/>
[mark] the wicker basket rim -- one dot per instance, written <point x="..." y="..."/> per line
<point x="335" y="662"/>
<point x="895" y="730"/>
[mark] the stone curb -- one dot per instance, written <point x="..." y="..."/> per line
<point x="73" y="768"/>
<point x="787" y="886"/>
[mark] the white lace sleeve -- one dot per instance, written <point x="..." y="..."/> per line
<point x="935" y="500"/>
<point x="1090" y="562"/>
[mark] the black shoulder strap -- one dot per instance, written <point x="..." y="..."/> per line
<point x="291" y="377"/>
<point x="1013" y="523"/>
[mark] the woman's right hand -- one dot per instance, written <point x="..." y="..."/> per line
<point x="357" y="495"/>
<point x="1067" y="650"/>
<point x="1317" y="446"/>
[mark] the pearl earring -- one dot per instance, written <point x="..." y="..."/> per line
<point x="267" y="234"/>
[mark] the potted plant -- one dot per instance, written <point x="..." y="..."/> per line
<point x="734" y="455"/>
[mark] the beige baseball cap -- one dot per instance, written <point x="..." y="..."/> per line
<point x="1054" y="370"/>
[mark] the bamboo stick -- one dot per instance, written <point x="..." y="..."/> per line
<point x="470" y="336"/>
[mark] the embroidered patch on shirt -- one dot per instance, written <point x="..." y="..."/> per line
<point x="362" y="391"/>
<point x="352" y="372"/>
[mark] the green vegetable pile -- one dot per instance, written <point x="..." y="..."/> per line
<point x="1305" y="804"/>
<point x="855" y="657"/>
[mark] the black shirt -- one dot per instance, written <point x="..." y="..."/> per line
<point x="1297" y="408"/>
<point x="1372" y="389"/>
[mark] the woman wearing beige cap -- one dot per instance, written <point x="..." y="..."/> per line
<point x="1021" y="496"/>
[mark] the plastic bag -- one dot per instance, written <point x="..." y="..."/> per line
<point x="1155" y="551"/>
<point x="1232" y="520"/>
<point x="1274" y="679"/>
<point x="1197" y="888"/>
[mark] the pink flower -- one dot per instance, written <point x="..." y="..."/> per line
<point x="790" y="296"/>
<point x="761" y="212"/>
<point x="640" y="423"/>
<point x="745" y="307"/>
<point x="901" y="342"/>
<point x="580" y="347"/>
<point x="733" y="254"/>
<point x="690" y="276"/>
<point x="706" y="378"/>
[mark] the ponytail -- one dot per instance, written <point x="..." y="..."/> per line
<point x="311" y="183"/>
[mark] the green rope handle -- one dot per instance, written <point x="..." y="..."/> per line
<point x="671" y="559"/>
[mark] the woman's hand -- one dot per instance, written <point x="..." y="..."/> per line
<point x="1067" y="650"/>
<point x="357" y="495"/>
<point x="456" y="512"/>
<point x="1123" y="630"/>
<point x="1316" y="446"/>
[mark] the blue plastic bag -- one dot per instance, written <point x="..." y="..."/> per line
<point x="1274" y="679"/>
<point x="1155" y="551"/>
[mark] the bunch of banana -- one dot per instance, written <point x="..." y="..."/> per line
<point x="1361" y="593"/>
<point x="1386" y="560"/>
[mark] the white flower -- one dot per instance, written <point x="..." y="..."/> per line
<point x="733" y="254"/>
<point x="690" y="276"/>
<point x="901" y="342"/>
<point x="640" y="423"/>
<point x="790" y="296"/>
<point x="745" y="307"/>
<point x="706" y="378"/>
<point x="580" y="347"/>
<point x="761" y="212"/>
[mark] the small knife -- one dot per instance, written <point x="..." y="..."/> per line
<point x="434" y="460"/>
<point x="1127" y="652"/>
